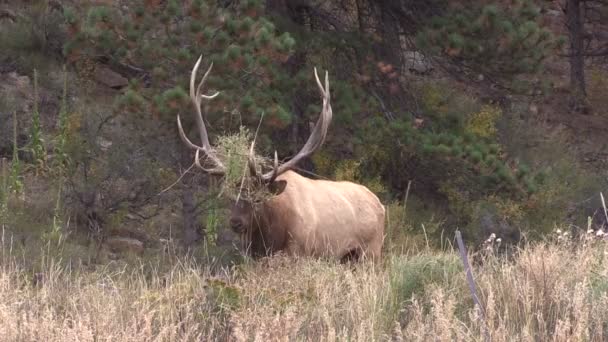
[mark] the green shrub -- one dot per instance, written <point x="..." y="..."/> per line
<point x="453" y="155"/>
<point x="412" y="277"/>
<point x="564" y="186"/>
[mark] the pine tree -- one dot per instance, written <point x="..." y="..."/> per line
<point x="488" y="38"/>
<point x="159" y="42"/>
<point x="163" y="40"/>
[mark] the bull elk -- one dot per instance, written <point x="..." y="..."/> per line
<point x="303" y="217"/>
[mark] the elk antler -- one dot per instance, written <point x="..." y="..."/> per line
<point x="316" y="139"/>
<point x="206" y="149"/>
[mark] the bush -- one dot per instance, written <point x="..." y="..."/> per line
<point x="452" y="153"/>
<point x="36" y="33"/>
<point x="564" y="187"/>
<point x="412" y="277"/>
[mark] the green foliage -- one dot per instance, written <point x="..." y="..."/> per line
<point x="414" y="226"/>
<point x="348" y="170"/>
<point x="413" y="277"/>
<point x="483" y="123"/>
<point x="223" y="296"/>
<point x="213" y="224"/>
<point x="324" y="164"/>
<point x="500" y="41"/>
<point x="563" y="185"/>
<point x="163" y="40"/>
<point x="16" y="182"/>
<point x="454" y="157"/>
<point x="237" y="40"/>
<point x="35" y="33"/>
<point x="456" y="143"/>
<point x="450" y="146"/>
<point x="557" y="184"/>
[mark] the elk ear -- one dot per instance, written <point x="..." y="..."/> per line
<point x="277" y="187"/>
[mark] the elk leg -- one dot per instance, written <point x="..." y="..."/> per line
<point x="354" y="255"/>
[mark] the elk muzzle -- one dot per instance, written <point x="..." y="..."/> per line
<point x="237" y="225"/>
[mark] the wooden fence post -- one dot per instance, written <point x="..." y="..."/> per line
<point x="469" y="274"/>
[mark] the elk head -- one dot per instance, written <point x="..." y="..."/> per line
<point x="243" y="209"/>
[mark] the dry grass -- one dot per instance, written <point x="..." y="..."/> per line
<point x="547" y="292"/>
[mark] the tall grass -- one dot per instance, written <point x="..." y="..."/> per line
<point x="546" y="292"/>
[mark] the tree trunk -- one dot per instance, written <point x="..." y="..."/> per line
<point x="364" y="16"/>
<point x="276" y="7"/>
<point x="390" y="48"/>
<point x="577" y="59"/>
<point x="298" y="14"/>
<point x="191" y="232"/>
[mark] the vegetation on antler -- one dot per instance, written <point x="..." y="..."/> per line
<point x="235" y="150"/>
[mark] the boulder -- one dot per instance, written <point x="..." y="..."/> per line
<point x="104" y="143"/>
<point x="120" y="244"/>
<point x="110" y="78"/>
<point x="7" y="14"/>
<point x="416" y="62"/>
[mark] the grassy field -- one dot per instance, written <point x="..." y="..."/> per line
<point x="551" y="291"/>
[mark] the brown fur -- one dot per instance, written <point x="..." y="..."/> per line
<point x="315" y="218"/>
